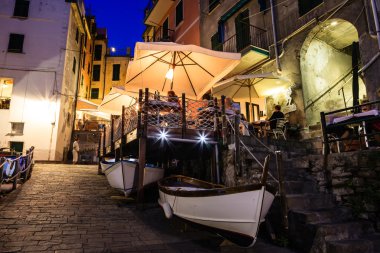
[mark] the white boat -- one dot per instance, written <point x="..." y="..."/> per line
<point x="122" y="175"/>
<point x="106" y="163"/>
<point x="234" y="213"/>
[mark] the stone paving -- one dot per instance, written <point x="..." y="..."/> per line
<point x="69" y="208"/>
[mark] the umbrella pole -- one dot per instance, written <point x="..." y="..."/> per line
<point x="142" y="148"/>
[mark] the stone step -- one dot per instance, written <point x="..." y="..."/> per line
<point x="321" y="216"/>
<point x="339" y="231"/>
<point x="297" y="187"/>
<point x="310" y="201"/>
<point x="350" y="246"/>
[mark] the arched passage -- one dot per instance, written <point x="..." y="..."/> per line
<point x="326" y="68"/>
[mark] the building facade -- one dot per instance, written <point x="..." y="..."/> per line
<point x="109" y="68"/>
<point x="311" y="44"/>
<point x="172" y="21"/>
<point x="46" y="49"/>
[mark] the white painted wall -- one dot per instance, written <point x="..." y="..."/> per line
<point x="38" y="75"/>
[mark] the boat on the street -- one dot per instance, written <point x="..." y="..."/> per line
<point x="234" y="213"/>
<point x="122" y="175"/>
<point x="106" y="163"/>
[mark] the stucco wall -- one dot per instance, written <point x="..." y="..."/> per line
<point x="37" y="75"/>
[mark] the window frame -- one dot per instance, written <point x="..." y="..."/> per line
<point x="306" y="9"/>
<point x="16" y="39"/>
<point x="21" y="9"/>
<point x="96" y="72"/>
<point x="98" y="53"/>
<point x="74" y="65"/>
<point x="212" y="4"/>
<point x="92" y="93"/>
<point x="114" y="76"/>
<point x="177" y="23"/>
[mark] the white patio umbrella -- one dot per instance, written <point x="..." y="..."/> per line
<point x="84" y="104"/>
<point x="115" y="99"/>
<point x="188" y="69"/>
<point x="250" y="86"/>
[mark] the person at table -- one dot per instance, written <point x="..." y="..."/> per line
<point x="277" y="114"/>
<point x="228" y="103"/>
<point x="172" y="97"/>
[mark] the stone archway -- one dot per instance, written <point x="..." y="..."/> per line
<point x="326" y="68"/>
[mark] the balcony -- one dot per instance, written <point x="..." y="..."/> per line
<point x="156" y="11"/>
<point x="252" y="43"/>
<point x="157" y="34"/>
<point x="238" y="43"/>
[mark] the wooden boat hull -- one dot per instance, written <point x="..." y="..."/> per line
<point x="121" y="176"/>
<point x="234" y="213"/>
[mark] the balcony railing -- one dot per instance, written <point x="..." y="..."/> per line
<point x="160" y="34"/>
<point x="256" y="37"/>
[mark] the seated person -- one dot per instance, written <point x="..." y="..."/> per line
<point x="172" y="97"/>
<point x="277" y="114"/>
<point x="228" y="103"/>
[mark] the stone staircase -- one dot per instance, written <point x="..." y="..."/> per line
<point x="317" y="223"/>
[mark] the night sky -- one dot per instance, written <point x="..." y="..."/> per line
<point x="124" y="20"/>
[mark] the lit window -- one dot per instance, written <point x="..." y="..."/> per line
<point x="17" y="128"/>
<point x="6" y="86"/>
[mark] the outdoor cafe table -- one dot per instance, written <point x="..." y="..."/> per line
<point x="361" y="118"/>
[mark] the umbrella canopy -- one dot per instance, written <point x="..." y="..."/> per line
<point x="194" y="69"/>
<point x="84" y="104"/>
<point x="250" y="86"/>
<point x="113" y="101"/>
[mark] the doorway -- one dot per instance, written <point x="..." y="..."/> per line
<point x="242" y="26"/>
<point x="17" y="146"/>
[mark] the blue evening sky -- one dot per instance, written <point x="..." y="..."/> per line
<point x="124" y="20"/>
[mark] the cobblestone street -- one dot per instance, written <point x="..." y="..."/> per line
<point x="66" y="208"/>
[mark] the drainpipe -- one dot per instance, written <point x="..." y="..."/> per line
<point x="376" y="19"/>
<point x="275" y="36"/>
<point x="377" y="25"/>
<point x="367" y="14"/>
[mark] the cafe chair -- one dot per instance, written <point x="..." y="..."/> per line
<point x="280" y="129"/>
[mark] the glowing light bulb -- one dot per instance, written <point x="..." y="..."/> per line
<point x="170" y="73"/>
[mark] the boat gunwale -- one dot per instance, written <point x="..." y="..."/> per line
<point x="208" y="189"/>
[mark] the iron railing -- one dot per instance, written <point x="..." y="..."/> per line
<point x="256" y="37"/>
<point x="160" y="34"/>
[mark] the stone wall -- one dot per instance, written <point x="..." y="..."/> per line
<point x="354" y="179"/>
